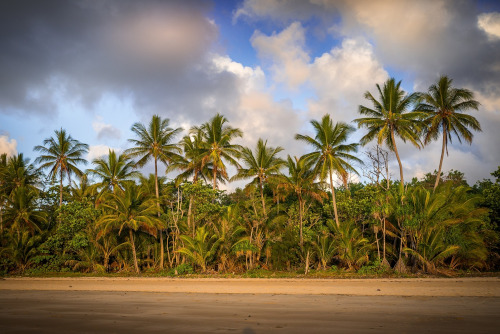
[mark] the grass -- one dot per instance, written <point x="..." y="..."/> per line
<point x="259" y="273"/>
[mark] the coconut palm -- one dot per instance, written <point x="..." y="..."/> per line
<point x="114" y="171"/>
<point x="301" y="182"/>
<point x="155" y="143"/>
<point x="22" y="212"/>
<point x="18" y="172"/>
<point x="130" y="209"/>
<point x="331" y="153"/>
<point x="217" y="146"/>
<point x="61" y="154"/>
<point x="390" y="117"/>
<point x="261" y="164"/>
<point x="445" y="106"/>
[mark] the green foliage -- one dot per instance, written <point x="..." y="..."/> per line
<point x="375" y="268"/>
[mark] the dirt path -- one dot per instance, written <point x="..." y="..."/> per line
<point x="455" y="287"/>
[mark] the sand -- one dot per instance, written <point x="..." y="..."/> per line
<point x="153" y="305"/>
<point x="452" y="287"/>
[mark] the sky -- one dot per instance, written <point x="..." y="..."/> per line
<point x="95" y="68"/>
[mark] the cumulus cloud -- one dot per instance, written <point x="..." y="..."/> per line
<point x="256" y="113"/>
<point x="490" y="23"/>
<point x="342" y="76"/>
<point x="8" y="146"/>
<point x="104" y="130"/>
<point x="286" y="51"/>
<point x="99" y="151"/>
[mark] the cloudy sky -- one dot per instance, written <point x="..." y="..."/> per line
<point x="270" y="66"/>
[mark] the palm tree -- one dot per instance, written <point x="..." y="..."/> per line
<point x="445" y="106"/>
<point x="201" y="248"/>
<point x="22" y="210"/>
<point x="301" y="182"/>
<point x="61" y="154"/>
<point x="191" y="164"/>
<point x="18" y="172"/>
<point x="114" y="171"/>
<point x="261" y="164"/>
<point x="331" y="154"/>
<point x="155" y="143"/>
<point x="390" y="118"/>
<point x="217" y="145"/>
<point x="130" y="209"/>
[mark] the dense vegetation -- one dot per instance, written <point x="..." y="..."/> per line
<point x="291" y="216"/>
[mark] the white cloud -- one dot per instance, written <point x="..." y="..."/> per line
<point x="341" y="77"/>
<point x="255" y="112"/>
<point x="490" y="23"/>
<point x="286" y="51"/>
<point x="8" y="146"/>
<point x="98" y="151"/>
<point x="104" y="130"/>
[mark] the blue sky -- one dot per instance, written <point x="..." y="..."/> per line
<point x="270" y="66"/>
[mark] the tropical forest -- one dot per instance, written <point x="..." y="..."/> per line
<point x="337" y="210"/>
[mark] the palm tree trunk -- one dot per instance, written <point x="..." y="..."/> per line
<point x="60" y="188"/>
<point x="334" y="200"/>
<point x="402" y="185"/>
<point x="214" y="175"/>
<point x="162" y="249"/>
<point x="301" y="223"/>
<point x="131" y="236"/>
<point x="262" y="197"/>
<point x="441" y="161"/>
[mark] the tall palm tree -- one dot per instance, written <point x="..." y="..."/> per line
<point x="217" y="145"/>
<point x="192" y="166"/>
<point x="155" y="143"/>
<point x="331" y="154"/>
<point x="114" y="171"/>
<point x="132" y="210"/>
<point x="61" y="154"/>
<point x="390" y="117"/>
<point x="301" y="182"/>
<point x="261" y="164"/>
<point x="445" y="106"/>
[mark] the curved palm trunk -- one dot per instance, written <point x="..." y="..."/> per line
<point x="131" y="236"/>
<point x="402" y="185"/>
<point x="162" y="249"/>
<point x="441" y="161"/>
<point x="334" y="201"/>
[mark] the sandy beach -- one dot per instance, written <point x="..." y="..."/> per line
<point x="154" y="305"/>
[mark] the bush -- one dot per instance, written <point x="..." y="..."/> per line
<point x="375" y="268"/>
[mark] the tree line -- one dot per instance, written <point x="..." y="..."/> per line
<point x="291" y="215"/>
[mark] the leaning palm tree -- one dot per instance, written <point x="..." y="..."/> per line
<point x="445" y="106"/>
<point x="261" y="164"/>
<point x="217" y="146"/>
<point x="390" y="117"/>
<point x="331" y="154"/>
<point x="114" y="171"/>
<point x="61" y="154"/>
<point x="130" y="209"/>
<point x="155" y="143"/>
